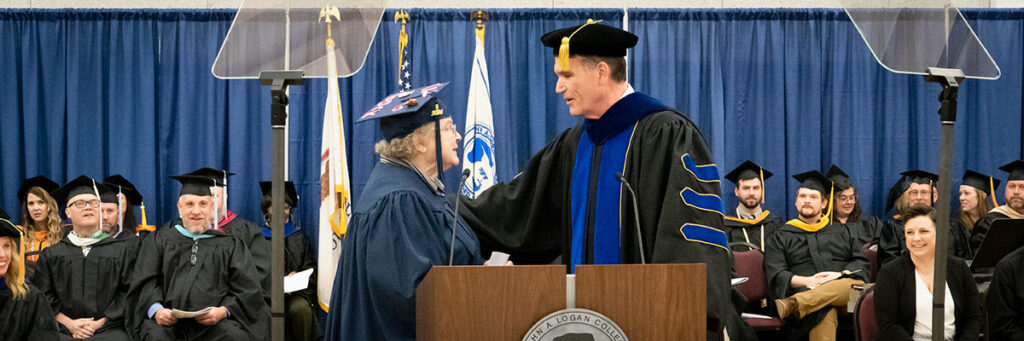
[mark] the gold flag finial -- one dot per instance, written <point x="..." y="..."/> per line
<point x="480" y="16"/>
<point x="326" y="14"/>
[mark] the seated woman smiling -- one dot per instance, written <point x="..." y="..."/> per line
<point x="905" y="284"/>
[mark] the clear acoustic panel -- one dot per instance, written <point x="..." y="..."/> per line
<point x="909" y="36"/>
<point x="292" y="35"/>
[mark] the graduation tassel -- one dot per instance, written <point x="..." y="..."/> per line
<point x="992" y="188"/>
<point x="99" y="224"/>
<point x="761" y="171"/>
<point x="120" y="211"/>
<point x="563" y="49"/>
<point x="831" y="195"/>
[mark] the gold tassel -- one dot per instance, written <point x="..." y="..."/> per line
<point x="563" y="50"/>
<point x="992" y="188"/>
<point x="761" y="170"/>
<point x="563" y="54"/>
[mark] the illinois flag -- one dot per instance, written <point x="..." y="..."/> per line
<point x="479" y="134"/>
<point x="335" y="202"/>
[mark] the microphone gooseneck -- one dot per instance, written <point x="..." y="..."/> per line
<point x="636" y="216"/>
<point x="455" y="216"/>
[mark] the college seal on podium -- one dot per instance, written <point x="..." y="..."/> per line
<point x="575" y="325"/>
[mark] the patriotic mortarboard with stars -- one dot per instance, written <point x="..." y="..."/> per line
<point x="402" y="112"/>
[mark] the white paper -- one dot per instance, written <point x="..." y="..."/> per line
<point x="739" y="280"/>
<point x="755" y="316"/>
<point x="181" y="314"/>
<point x="497" y="259"/>
<point x="298" y="281"/>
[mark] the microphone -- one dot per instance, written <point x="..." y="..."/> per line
<point x="636" y="215"/>
<point x="455" y="216"/>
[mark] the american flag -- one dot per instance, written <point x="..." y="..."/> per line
<point x="404" y="63"/>
<point x="405" y="71"/>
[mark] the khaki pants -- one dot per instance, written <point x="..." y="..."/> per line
<point x="832" y="294"/>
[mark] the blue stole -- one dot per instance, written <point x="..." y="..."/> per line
<point x="600" y="155"/>
<point x="186" y="233"/>
<point x="289" y="228"/>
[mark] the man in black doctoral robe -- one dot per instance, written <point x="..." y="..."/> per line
<point x="811" y="263"/>
<point x="751" y="224"/>
<point x="241" y="228"/>
<point x="1012" y="209"/>
<point x="569" y="206"/>
<point x="1006" y="298"/>
<point x="86" y="275"/>
<point x="915" y="187"/>
<point x="191" y="267"/>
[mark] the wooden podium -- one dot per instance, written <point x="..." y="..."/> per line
<point x="649" y="302"/>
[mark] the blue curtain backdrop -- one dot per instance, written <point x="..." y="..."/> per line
<point x="101" y="92"/>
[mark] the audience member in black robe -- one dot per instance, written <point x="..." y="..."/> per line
<point x="300" y="321"/>
<point x="916" y="187"/>
<point x="905" y="285"/>
<point x="811" y="263"/>
<point x="40" y="219"/>
<point x="1006" y="298"/>
<point x="568" y="205"/>
<point x="847" y="209"/>
<point x="189" y="266"/>
<point x="25" y="313"/>
<point x="750" y="223"/>
<point x="1012" y="209"/>
<point x="86" y="275"/>
<point x="241" y="228"/>
<point x="127" y="198"/>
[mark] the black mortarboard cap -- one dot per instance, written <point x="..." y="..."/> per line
<point x="7" y="229"/>
<point x="403" y="112"/>
<point x="217" y="175"/>
<point x="918" y="176"/>
<point x="40" y="181"/>
<point x="1016" y="170"/>
<point x="816" y="181"/>
<point x="746" y="171"/>
<point x="980" y="181"/>
<point x="590" y="39"/>
<point x="194" y="184"/>
<point x="107" y="195"/>
<point x="839" y="177"/>
<point x="80" y="185"/>
<point x="118" y="183"/>
<point x="290" y="195"/>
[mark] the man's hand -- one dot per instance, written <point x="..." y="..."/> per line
<point x="213" y="316"/>
<point x="97" y="324"/>
<point x="164" y="317"/>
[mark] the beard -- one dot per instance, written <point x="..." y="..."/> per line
<point x="1016" y="203"/>
<point x="809" y="213"/>
<point x="750" y="202"/>
<point x="196" y="229"/>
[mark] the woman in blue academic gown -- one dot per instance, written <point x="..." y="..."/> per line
<point x="401" y="225"/>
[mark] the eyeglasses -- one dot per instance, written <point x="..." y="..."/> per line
<point x="195" y="249"/>
<point x="82" y="203"/>
<point x="846" y="198"/>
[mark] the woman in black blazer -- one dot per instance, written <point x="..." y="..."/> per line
<point x="896" y="288"/>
